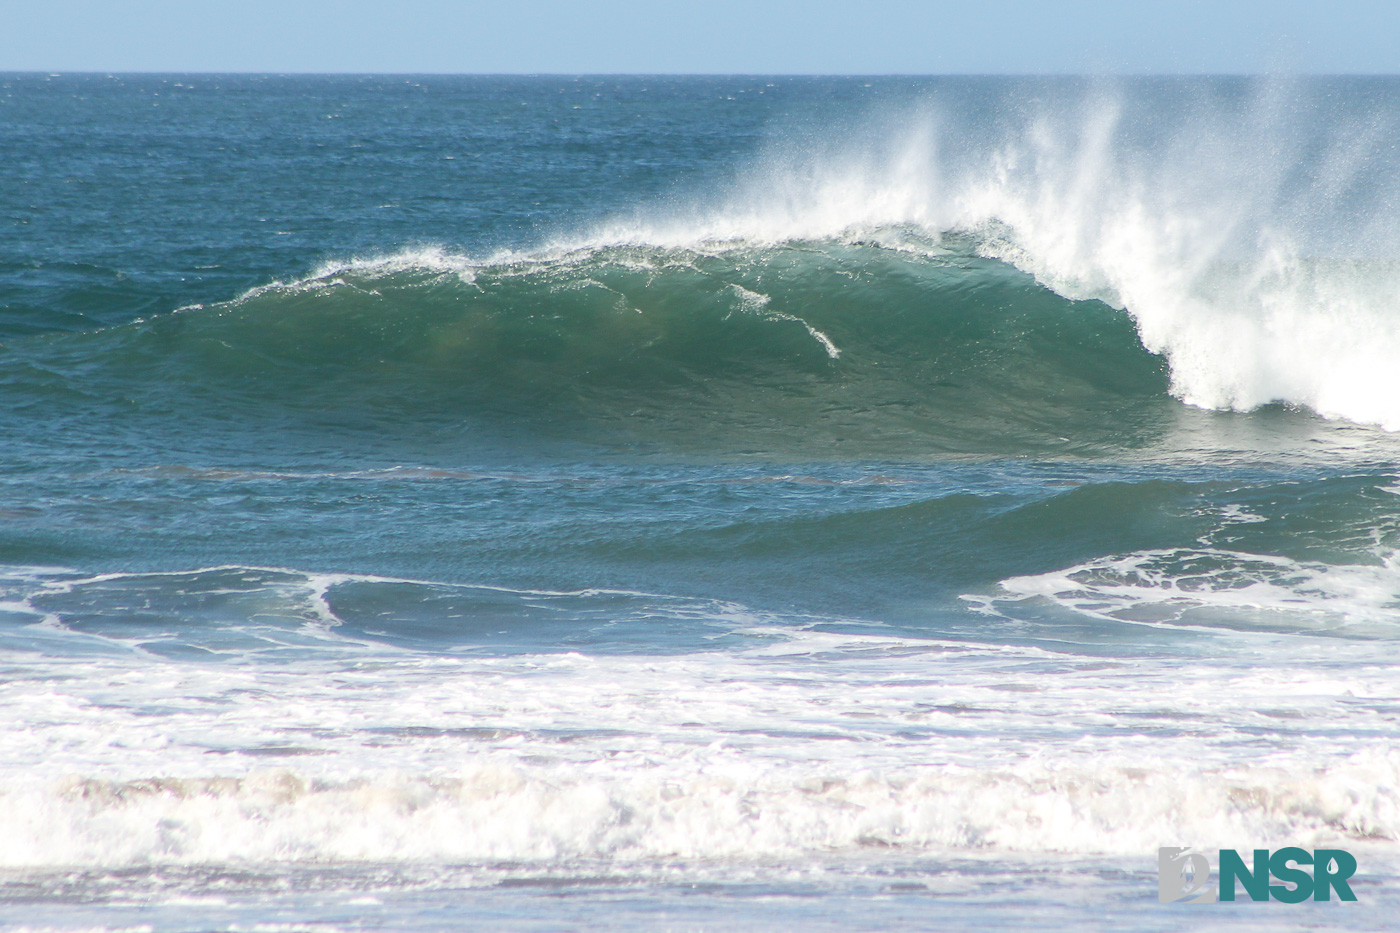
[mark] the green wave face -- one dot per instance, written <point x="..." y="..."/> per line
<point x="799" y="349"/>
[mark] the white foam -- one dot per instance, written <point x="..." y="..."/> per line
<point x="818" y="744"/>
<point x="500" y="808"/>
<point x="755" y="303"/>
<point x="1213" y="587"/>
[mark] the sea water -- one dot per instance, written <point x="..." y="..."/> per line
<point x="693" y="503"/>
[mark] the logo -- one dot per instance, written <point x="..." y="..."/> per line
<point x="1183" y="875"/>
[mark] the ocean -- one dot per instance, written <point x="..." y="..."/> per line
<point x="694" y="503"/>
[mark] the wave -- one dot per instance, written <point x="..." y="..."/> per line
<point x="1211" y="589"/>
<point x="241" y="614"/>
<point x="1054" y="561"/>
<point x="812" y="746"/>
<point x="1010" y="272"/>
<point x="1064" y="551"/>
<point x="803" y="346"/>
<point x="500" y="808"/>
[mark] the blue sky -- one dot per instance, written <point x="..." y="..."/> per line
<point x="716" y="36"/>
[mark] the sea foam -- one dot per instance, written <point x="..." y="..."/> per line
<point x="808" y="744"/>
<point x="504" y="807"/>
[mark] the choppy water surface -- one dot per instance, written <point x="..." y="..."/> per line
<point x="693" y="503"/>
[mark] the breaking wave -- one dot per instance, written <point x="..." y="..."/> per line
<point x="1022" y="275"/>
<point x="797" y="346"/>
<point x="500" y="809"/>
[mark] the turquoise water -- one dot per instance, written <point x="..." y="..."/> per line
<point x="692" y="503"/>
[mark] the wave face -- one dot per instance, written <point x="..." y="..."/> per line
<point x="793" y="347"/>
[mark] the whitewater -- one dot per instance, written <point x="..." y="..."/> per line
<point x="693" y="503"/>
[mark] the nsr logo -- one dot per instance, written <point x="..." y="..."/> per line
<point x="1183" y="875"/>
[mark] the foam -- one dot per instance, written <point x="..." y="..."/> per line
<point x="1212" y="588"/>
<point x="755" y="303"/>
<point x="714" y="806"/>
<point x="808" y="745"/>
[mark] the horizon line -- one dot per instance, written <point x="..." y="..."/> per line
<point x="63" y="72"/>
